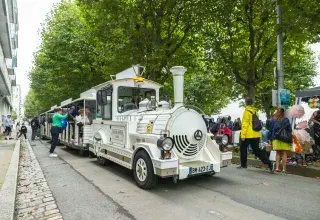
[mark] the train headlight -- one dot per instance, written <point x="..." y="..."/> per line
<point x="225" y="140"/>
<point x="165" y="143"/>
<point x="222" y="139"/>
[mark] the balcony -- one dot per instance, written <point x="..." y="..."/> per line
<point x="5" y="82"/>
<point x="11" y="64"/>
<point x="5" y="36"/>
<point x="13" y="80"/>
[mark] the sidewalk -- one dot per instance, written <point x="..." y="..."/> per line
<point x="34" y="199"/>
<point x="312" y="172"/>
<point x="6" y="150"/>
<point x="9" y="158"/>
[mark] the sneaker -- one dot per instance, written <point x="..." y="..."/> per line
<point x="272" y="166"/>
<point x="241" y="168"/>
<point x="53" y="155"/>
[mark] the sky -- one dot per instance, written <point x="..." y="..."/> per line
<point x="33" y="12"/>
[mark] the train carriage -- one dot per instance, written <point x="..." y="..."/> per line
<point x="79" y="129"/>
<point x="45" y="123"/>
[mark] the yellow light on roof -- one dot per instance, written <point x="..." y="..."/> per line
<point x="138" y="79"/>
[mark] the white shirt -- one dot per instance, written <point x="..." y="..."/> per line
<point x="7" y="122"/>
<point x="83" y="120"/>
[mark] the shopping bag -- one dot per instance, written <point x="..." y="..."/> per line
<point x="272" y="156"/>
<point x="293" y="147"/>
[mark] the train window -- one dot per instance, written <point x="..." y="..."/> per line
<point x="104" y="104"/>
<point x="130" y="97"/>
<point x="90" y="108"/>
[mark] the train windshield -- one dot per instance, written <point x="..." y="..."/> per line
<point x="130" y="97"/>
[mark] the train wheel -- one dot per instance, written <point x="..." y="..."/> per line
<point x="143" y="171"/>
<point x="102" y="161"/>
<point x="83" y="152"/>
<point x="91" y="155"/>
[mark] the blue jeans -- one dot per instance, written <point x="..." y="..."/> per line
<point x="55" y="131"/>
<point x="265" y="136"/>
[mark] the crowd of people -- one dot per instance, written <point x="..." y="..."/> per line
<point x="276" y="133"/>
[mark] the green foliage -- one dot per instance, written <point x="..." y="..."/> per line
<point x="13" y="115"/>
<point x="145" y="32"/>
<point x="241" y="41"/>
<point x="228" y="47"/>
<point x="32" y="105"/>
<point x="300" y="71"/>
<point x="64" y="65"/>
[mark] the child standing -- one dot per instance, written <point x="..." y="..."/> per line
<point x="23" y="131"/>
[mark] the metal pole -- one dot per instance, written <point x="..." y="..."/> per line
<point x="279" y="50"/>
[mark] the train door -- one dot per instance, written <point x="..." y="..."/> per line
<point x="87" y="117"/>
<point x="103" y="122"/>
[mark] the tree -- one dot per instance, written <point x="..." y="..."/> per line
<point x="32" y="105"/>
<point x="241" y="41"/>
<point x="64" y="65"/>
<point x="300" y="70"/>
<point x="146" y="32"/>
<point x="158" y="35"/>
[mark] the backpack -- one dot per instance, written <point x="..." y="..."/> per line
<point x="282" y="134"/>
<point x="256" y="123"/>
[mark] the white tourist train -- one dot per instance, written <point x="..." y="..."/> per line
<point x="135" y="129"/>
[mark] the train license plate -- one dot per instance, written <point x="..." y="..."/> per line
<point x="202" y="169"/>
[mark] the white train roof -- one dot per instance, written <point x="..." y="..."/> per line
<point x="129" y="77"/>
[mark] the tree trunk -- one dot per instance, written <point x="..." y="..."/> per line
<point x="251" y="92"/>
<point x="267" y="108"/>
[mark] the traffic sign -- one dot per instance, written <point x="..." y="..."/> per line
<point x="284" y="97"/>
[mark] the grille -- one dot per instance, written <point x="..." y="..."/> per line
<point x="184" y="147"/>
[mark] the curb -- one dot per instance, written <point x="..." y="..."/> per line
<point x="291" y="169"/>
<point x="9" y="187"/>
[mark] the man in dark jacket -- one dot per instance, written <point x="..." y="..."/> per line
<point x="34" y="126"/>
<point x="73" y="113"/>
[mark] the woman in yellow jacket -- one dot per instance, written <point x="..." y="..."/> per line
<point x="251" y="137"/>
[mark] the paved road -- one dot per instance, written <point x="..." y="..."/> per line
<point x="232" y="194"/>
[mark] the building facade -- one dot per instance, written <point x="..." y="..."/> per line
<point x="8" y="53"/>
<point x="16" y="101"/>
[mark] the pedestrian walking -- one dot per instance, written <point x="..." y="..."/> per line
<point x="34" y="126"/>
<point x="18" y="127"/>
<point x="56" y="129"/>
<point x="281" y="136"/>
<point x="250" y="135"/>
<point x="23" y="131"/>
<point x="8" y="127"/>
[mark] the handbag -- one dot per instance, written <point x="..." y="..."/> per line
<point x="283" y="135"/>
<point x="272" y="156"/>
